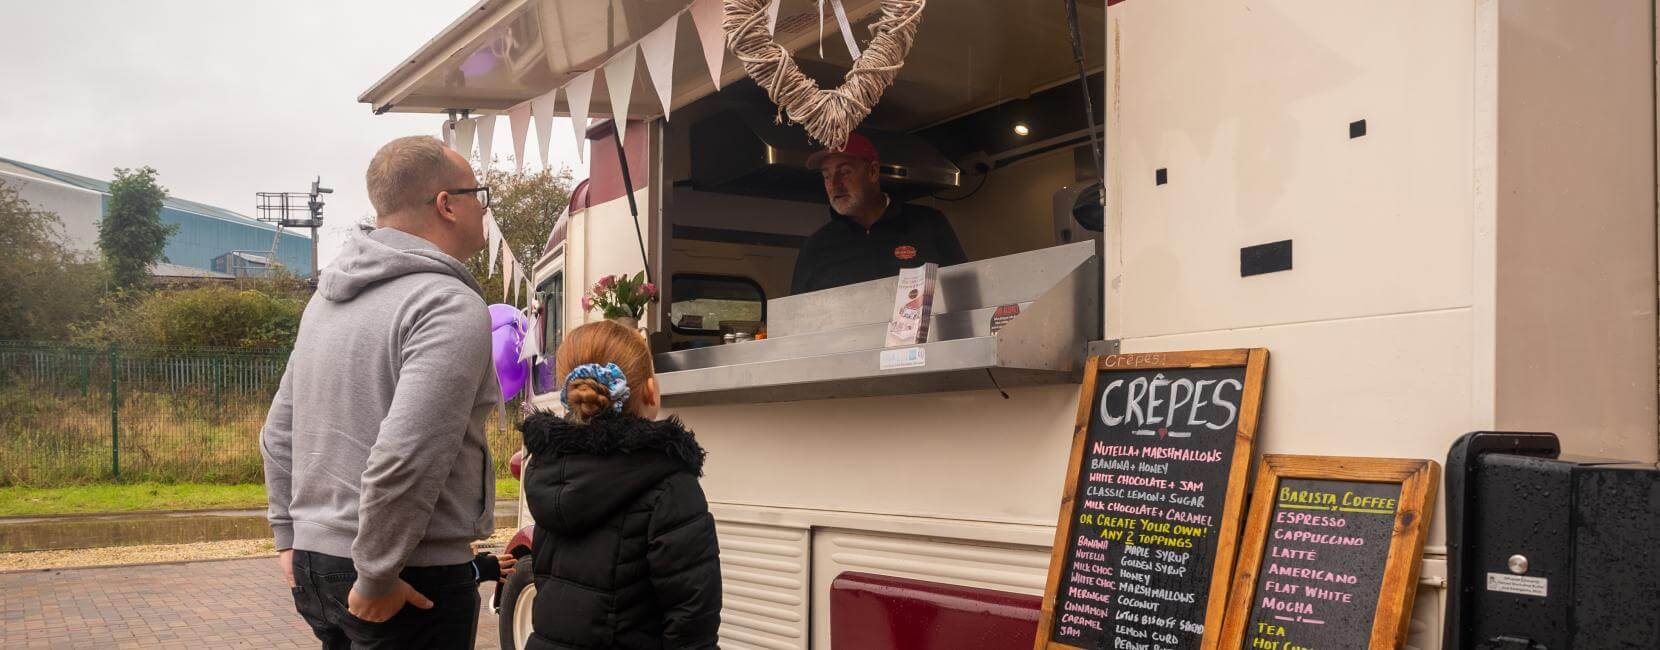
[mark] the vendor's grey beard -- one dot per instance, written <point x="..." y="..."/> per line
<point x="843" y="206"/>
<point x="855" y="199"/>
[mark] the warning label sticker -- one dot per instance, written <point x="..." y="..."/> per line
<point x="1519" y="585"/>
<point x="903" y="358"/>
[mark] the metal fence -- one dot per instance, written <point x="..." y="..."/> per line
<point x="76" y="414"/>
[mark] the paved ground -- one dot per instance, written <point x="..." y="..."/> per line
<point x="195" y="606"/>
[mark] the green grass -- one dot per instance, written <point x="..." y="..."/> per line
<point x="137" y="497"/>
<point x="507" y="488"/>
<point x="81" y="499"/>
<point x="52" y="437"/>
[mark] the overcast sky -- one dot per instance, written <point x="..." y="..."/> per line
<point x="224" y="99"/>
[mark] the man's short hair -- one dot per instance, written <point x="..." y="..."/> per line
<point x="408" y="171"/>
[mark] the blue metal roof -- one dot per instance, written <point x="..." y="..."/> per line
<point x="205" y="231"/>
<point x="183" y="205"/>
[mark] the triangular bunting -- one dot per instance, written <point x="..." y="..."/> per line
<point x="486" y="139"/>
<point x="531" y="348"/>
<point x="464" y="131"/>
<point x="506" y="273"/>
<point x="542" y="109"/>
<point x="706" y="16"/>
<point x="518" y="120"/>
<point x="772" y="16"/>
<point x="494" y="235"/>
<point x="578" y="93"/>
<point x="447" y="133"/>
<point x="658" y="49"/>
<point x="619" y="83"/>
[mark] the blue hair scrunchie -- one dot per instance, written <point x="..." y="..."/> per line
<point x="608" y="375"/>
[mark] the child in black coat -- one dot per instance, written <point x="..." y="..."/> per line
<point x="624" y="553"/>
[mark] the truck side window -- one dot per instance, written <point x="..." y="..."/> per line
<point x="703" y="302"/>
<point x="551" y="294"/>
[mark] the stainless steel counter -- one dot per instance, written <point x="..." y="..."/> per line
<point x="828" y="344"/>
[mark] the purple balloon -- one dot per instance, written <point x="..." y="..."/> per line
<point x="503" y="314"/>
<point x="506" y="336"/>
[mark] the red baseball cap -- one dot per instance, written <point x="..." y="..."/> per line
<point x="858" y="146"/>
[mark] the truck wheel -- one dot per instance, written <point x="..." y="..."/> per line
<point x="518" y="600"/>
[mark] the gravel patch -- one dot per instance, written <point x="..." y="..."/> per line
<point x="120" y="555"/>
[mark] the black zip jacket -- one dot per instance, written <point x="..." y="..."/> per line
<point x="624" y="552"/>
<point x="843" y="252"/>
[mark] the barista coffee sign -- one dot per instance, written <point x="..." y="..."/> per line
<point x="1331" y="553"/>
<point x="1154" y="492"/>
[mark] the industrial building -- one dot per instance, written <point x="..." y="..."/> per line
<point x="210" y="242"/>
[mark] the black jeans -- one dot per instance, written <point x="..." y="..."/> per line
<point x="323" y="582"/>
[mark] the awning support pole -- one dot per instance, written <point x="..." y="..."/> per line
<point x="628" y="191"/>
<point x="1083" y="83"/>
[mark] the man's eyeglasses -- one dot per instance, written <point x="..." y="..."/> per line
<point x="483" y="192"/>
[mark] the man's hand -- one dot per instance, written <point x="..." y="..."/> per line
<point x="377" y="610"/>
<point x="285" y="559"/>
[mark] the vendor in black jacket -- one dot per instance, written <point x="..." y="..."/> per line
<point x="870" y="236"/>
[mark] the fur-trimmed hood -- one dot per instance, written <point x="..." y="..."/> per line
<point x="588" y="471"/>
<point x="549" y="435"/>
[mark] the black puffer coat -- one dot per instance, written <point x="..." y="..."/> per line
<point x="625" y="552"/>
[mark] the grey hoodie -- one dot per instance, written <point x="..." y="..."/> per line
<point x="374" y="446"/>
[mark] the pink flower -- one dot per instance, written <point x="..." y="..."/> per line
<point x="650" y="289"/>
<point x="606" y="281"/>
<point x="587" y="303"/>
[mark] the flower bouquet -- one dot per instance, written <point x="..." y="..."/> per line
<point x="620" y="298"/>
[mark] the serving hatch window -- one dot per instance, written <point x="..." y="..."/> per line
<point x="702" y="303"/>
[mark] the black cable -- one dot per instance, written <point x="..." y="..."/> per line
<point x="983" y="178"/>
<point x="996" y="385"/>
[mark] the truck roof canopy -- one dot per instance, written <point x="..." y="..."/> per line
<point x="968" y="55"/>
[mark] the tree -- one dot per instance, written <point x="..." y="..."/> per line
<point x="131" y="235"/>
<point x="44" y="284"/>
<point x="525" y="204"/>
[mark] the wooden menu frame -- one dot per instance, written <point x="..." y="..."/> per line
<point x="1418" y="480"/>
<point x="1255" y="362"/>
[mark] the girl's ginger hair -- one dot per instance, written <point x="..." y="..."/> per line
<point x="602" y="342"/>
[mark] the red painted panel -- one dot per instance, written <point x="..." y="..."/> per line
<point x="605" y="182"/>
<point x="522" y="540"/>
<point x="579" y="200"/>
<point x="877" y="612"/>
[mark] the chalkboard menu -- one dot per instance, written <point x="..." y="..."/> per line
<point x="1154" y="493"/>
<point x="1331" y="553"/>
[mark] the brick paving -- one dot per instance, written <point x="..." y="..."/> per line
<point x="196" y="606"/>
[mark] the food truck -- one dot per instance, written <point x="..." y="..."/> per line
<point x="1438" y="218"/>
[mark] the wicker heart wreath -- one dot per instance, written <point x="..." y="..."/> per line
<point x="827" y="115"/>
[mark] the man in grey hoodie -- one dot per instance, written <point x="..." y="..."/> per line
<point x="376" y="464"/>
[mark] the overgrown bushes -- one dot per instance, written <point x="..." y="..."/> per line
<point x="257" y="315"/>
<point x="45" y="287"/>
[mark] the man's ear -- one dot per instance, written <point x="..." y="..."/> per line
<point x="445" y="209"/>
